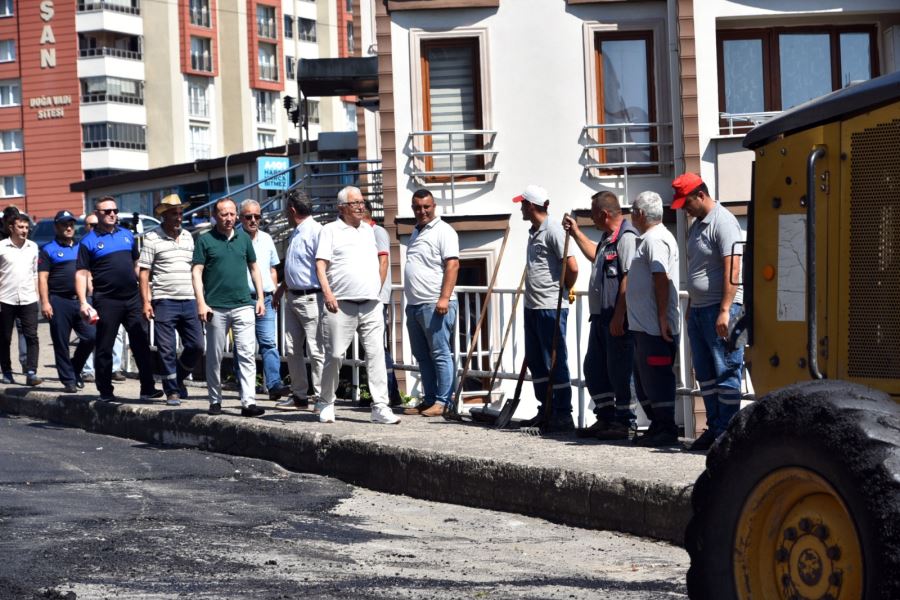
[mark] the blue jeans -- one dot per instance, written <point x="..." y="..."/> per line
<point x="718" y="371"/>
<point x="608" y="364"/>
<point x="539" y="325"/>
<point x="180" y="316"/>
<point x="430" y="336"/>
<point x="267" y="346"/>
<point x="654" y="379"/>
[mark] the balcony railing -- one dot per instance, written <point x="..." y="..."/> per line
<point x="638" y="148"/>
<point x="199" y="151"/>
<point x="200" y="16"/>
<point x="101" y="97"/>
<point x="451" y="157"/>
<point x="741" y="123"/>
<point x="114" y="52"/>
<point x="130" y="8"/>
<point x="267" y="29"/>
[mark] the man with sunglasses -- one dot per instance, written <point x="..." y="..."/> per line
<point x="59" y="303"/>
<point x="266" y="261"/>
<point x="108" y="255"/>
<point x="166" y="259"/>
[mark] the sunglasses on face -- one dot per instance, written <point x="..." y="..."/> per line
<point x="109" y="211"/>
<point x="251" y="217"/>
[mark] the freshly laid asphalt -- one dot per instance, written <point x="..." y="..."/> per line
<point x="580" y="482"/>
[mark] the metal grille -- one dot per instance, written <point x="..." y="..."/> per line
<point x="874" y="314"/>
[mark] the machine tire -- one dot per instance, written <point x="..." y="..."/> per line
<point x="844" y="438"/>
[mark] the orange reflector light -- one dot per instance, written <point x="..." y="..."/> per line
<point x="768" y="272"/>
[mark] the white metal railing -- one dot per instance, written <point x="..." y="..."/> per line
<point x="596" y="153"/>
<point x="453" y="155"/>
<point x="741" y="123"/>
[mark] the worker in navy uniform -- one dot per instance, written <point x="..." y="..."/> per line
<point x="109" y="254"/>
<point x="59" y="303"/>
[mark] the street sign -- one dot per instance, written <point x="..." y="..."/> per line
<point x="266" y="166"/>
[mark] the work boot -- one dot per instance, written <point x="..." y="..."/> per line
<point x="613" y="432"/>
<point x="702" y="443"/>
<point x="417" y="410"/>
<point x="435" y="410"/>
<point x="592" y="431"/>
<point x="558" y="424"/>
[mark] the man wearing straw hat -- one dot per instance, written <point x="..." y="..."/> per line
<point x="544" y="266"/>
<point x="166" y="260"/>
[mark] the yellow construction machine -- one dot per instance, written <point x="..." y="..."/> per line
<point x="800" y="498"/>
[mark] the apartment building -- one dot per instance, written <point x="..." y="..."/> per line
<point x="90" y="88"/>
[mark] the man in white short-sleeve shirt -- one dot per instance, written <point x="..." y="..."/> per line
<point x="432" y="265"/>
<point x="348" y="271"/>
<point x="304" y="304"/>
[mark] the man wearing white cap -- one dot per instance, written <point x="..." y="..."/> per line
<point x="166" y="258"/>
<point x="543" y="271"/>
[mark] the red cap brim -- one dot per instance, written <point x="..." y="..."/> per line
<point x="519" y="198"/>
<point x="678" y="202"/>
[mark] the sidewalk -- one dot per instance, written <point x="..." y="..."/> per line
<point x="579" y="482"/>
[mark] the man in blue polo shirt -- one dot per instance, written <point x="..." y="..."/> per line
<point x="59" y="303"/>
<point x="109" y="255"/>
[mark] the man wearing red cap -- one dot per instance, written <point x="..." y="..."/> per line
<point x="543" y="271"/>
<point x="713" y="252"/>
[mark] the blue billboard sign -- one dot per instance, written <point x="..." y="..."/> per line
<point x="266" y="166"/>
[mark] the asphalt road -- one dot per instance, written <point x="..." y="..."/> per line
<point x="89" y="516"/>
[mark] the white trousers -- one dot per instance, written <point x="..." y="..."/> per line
<point x="242" y="322"/>
<point x="367" y="319"/>
<point x="303" y="324"/>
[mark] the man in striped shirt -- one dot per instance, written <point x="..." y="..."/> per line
<point x="166" y="260"/>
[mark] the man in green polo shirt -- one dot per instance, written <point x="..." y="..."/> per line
<point x="223" y="302"/>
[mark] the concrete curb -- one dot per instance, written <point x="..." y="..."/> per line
<point x="651" y="509"/>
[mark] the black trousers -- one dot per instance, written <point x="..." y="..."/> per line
<point x="67" y="317"/>
<point x="28" y="315"/>
<point x="128" y="313"/>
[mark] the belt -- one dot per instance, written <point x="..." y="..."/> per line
<point x="305" y="292"/>
<point x="253" y="294"/>
<point x="65" y="296"/>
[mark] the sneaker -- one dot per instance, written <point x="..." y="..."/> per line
<point x="252" y="410"/>
<point x="214" y="409"/>
<point x="702" y="443"/>
<point x="70" y="388"/>
<point x="79" y="382"/>
<point x="657" y="439"/>
<point x="279" y="391"/>
<point x="88" y="378"/>
<point x="384" y="415"/>
<point x="8" y="379"/>
<point x="119" y="376"/>
<point x="33" y="380"/>
<point x="326" y="412"/>
<point x="152" y="395"/>
<point x="173" y="400"/>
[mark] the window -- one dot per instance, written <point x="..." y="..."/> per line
<point x="312" y="111"/>
<point x="11" y="141"/>
<point x="268" y="62"/>
<point x="451" y="90"/>
<point x="201" y="57"/>
<point x="349" y="6"/>
<point x="200" y="13"/>
<point x="12" y="185"/>
<point x="112" y="89"/>
<point x="767" y="70"/>
<point x="264" y="140"/>
<point x="10" y="93"/>
<point x="306" y="28"/>
<point x="351" y="39"/>
<point x="265" y="106"/>
<point x="291" y="64"/>
<point x="114" y="135"/>
<point x="7" y="50"/>
<point x="288" y="26"/>
<point x="6" y="8"/>
<point x="265" y="21"/>
<point x="199" y="143"/>
<point x="626" y="96"/>
<point x="198" y="97"/>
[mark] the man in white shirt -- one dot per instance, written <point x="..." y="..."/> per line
<point x="432" y="265"/>
<point x="19" y="297"/>
<point x="348" y="271"/>
<point x="304" y="304"/>
<point x="266" y="261"/>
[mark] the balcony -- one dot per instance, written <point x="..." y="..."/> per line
<point x="117" y="98"/>
<point x="113" y="52"/>
<point x="625" y="149"/>
<point x="128" y="7"/>
<point x="741" y="123"/>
